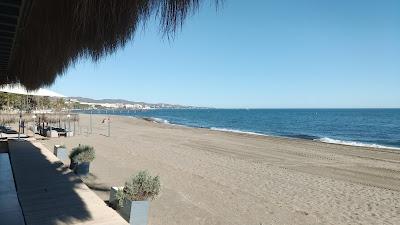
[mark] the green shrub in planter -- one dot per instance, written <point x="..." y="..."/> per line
<point x="141" y="187"/>
<point x="82" y="153"/>
<point x="133" y="198"/>
<point x="81" y="157"/>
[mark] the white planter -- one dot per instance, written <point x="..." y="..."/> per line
<point x="61" y="153"/>
<point x="55" y="149"/>
<point x="113" y="196"/>
<point x="34" y="129"/>
<point x="135" y="212"/>
<point x="139" y="212"/>
<point x="52" y="133"/>
<point x="70" y="134"/>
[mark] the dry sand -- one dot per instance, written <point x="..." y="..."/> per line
<point x="211" y="177"/>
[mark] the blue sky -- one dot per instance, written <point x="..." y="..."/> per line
<point x="267" y="54"/>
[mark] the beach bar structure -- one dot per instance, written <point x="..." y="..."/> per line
<point x="20" y="90"/>
<point x="39" y="40"/>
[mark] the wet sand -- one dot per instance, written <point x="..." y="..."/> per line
<point x="212" y="177"/>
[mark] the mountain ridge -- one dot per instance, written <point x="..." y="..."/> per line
<point x="124" y="101"/>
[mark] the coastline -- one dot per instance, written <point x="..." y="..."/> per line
<point x="321" y="140"/>
<point x="214" y="177"/>
<point x="317" y="139"/>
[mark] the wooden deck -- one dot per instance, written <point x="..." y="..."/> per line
<point x="10" y="210"/>
<point x="51" y="194"/>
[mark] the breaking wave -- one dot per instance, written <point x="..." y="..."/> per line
<point x="156" y="120"/>
<point x="236" y="131"/>
<point x="353" y="143"/>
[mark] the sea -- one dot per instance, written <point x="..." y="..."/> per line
<point x="378" y="128"/>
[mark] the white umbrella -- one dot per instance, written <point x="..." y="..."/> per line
<point x="19" y="89"/>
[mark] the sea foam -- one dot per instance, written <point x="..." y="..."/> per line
<point x="325" y="139"/>
<point x="156" y="120"/>
<point x="236" y="131"/>
<point x="353" y="143"/>
<point x="159" y="120"/>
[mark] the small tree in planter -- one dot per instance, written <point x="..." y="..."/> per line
<point x="81" y="157"/>
<point x="133" y="199"/>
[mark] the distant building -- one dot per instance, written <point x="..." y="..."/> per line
<point x="133" y="106"/>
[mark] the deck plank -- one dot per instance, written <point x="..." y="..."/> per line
<point x="10" y="209"/>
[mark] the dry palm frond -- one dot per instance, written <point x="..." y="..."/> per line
<point x="53" y="34"/>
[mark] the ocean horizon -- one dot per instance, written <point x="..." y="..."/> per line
<point x="364" y="127"/>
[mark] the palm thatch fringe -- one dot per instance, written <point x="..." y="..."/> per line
<point x="55" y="34"/>
<point x="28" y="117"/>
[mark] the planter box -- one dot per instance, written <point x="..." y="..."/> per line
<point x="135" y="212"/>
<point x="113" y="196"/>
<point x="34" y="129"/>
<point x="81" y="169"/>
<point x="61" y="153"/>
<point x="55" y="149"/>
<point x="52" y="133"/>
<point x="72" y="165"/>
<point x="69" y="134"/>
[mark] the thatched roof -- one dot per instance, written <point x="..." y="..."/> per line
<point x="40" y="39"/>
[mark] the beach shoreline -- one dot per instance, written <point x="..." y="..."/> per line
<point x="218" y="177"/>
<point x="356" y="144"/>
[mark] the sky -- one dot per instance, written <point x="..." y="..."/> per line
<point x="257" y="54"/>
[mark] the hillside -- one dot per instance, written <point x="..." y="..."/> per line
<point x="123" y="101"/>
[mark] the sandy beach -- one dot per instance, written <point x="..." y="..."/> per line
<point x="212" y="177"/>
